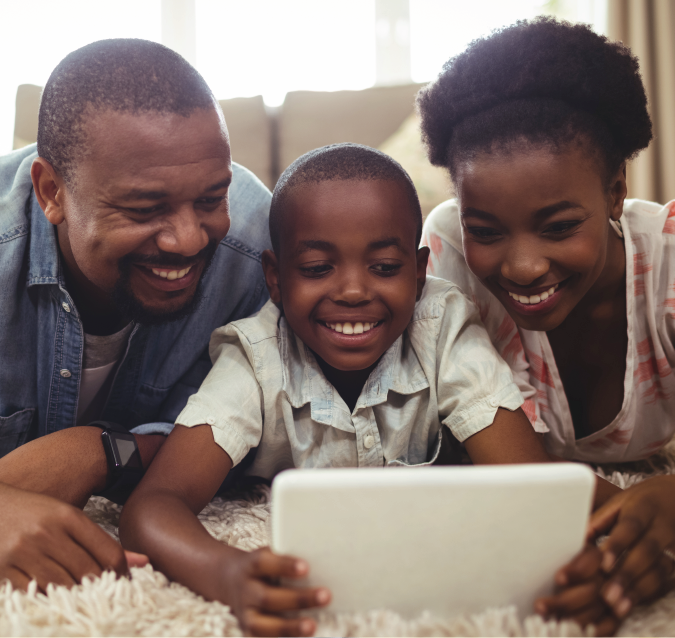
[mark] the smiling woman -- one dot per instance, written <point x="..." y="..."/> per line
<point x="574" y="284"/>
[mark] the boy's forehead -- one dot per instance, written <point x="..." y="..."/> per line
<point x="362" y="206"/>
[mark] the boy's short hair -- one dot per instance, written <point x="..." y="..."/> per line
<point x="338" y="162"/>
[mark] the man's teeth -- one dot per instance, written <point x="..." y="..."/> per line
<point x="534" y="299"/>
<point x="349" y="328"/>
<point x="172" y="274"/>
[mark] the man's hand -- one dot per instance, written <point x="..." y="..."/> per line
<point x="579" y="596"/>
<point x="261" y="603"/>
<point x="640" y="522"/>
<point x="52" y="542"/>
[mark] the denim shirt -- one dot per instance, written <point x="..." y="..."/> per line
<point x="441" y="377"/>
<point x="41" y="335"/>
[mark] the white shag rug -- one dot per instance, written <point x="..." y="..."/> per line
<point x="148" y="605"/>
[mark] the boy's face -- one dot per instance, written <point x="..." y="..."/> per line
<point x="349" y="271"/>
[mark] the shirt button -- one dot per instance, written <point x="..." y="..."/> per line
<point x="65" y="306"/>
<point x="494" y="403"/>
<point x="210" y="420"/>
<point x="369" y="441"/>
<point x="65" y="373"/>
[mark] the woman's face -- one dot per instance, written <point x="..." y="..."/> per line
<point x="536" y="231"/>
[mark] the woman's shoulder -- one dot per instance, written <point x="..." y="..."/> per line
<point x="643" y="217"/>
<point x="443" y="223"/>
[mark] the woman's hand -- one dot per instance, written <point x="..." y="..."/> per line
<point x="640" y="522"/>
<point x="261" y="603"/>
<point x="579" y="596"/>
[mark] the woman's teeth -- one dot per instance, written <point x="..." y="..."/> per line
<point x="171" y="274"/>
<point x="543" y="296"/>
<point x="349" y="328"/>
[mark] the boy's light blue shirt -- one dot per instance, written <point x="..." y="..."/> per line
<point x="266" y="390"/>
<point x="41" y="336"/>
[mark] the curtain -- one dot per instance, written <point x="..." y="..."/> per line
<point x="648" y="28"/>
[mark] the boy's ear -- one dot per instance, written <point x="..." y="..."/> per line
<point x="422" y="261"/>
<point x="270" y="266"/>
<point x="49" y="189"/>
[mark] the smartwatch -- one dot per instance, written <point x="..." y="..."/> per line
<point x="125" y="468"/>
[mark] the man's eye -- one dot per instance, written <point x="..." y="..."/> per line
<point x="211" y="201"/>
<point x="482" y="232"/>
<point x="386" y="269"/>
<point x="560" y="228"/>
<point x="146" y="211"/>
<point x="315" y="271"/>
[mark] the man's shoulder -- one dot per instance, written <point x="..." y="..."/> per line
<point x="249" y="211"/>
<point x="15" y="190"/>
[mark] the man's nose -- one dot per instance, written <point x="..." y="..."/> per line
<point x="183" y="232"/>
<point x="524" y="262"/>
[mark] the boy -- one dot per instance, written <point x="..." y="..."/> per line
<point x="353" y="362"/>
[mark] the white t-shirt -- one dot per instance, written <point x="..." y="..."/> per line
<point x="646" y="421"/>
<point x="266" y="389"/>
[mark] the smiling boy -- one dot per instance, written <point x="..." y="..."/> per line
<point x="356" y="361"/>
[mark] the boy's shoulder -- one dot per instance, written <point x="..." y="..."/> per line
<point x="260" y="326"/>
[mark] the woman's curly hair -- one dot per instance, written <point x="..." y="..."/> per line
<point x="542" y="81"/>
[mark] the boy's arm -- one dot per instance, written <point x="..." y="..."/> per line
<point x="161" y="517"/>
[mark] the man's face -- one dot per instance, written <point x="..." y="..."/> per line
<point x="147" y="209"/>
<point x="349" y="271"/>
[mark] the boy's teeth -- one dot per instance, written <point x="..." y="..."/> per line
<point x="534" y="299"/>
<point x="172" y="274"/>
<point x="348" y="328"/>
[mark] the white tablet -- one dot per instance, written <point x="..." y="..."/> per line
<point x="443" y="539"/>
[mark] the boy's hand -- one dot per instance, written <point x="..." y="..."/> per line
<point x="579" y="598"/>
<point x="641" y="526"/>
<point x="258" y="600"/>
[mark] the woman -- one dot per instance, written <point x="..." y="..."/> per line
<point x="535" y="125"/>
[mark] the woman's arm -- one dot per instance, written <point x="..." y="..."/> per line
<point x="161" y="517"/>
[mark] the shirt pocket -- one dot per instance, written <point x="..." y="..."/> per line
<point x="445" y="450"/>
<point x="14" y="430"/>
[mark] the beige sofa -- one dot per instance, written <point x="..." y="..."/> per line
<point x="266" y="140"/>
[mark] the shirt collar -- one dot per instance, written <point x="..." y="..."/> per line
<point x="43" y="260"/>
<point x="304" y="382"/>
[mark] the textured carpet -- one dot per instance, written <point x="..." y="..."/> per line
<point x="148" y="605"/>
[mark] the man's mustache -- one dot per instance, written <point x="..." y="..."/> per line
<point x="168" y="259"/>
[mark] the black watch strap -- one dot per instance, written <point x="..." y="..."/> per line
<point x="125" y="468"/>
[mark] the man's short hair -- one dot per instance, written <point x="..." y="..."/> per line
<point x="122" y="75"/>
<point x="338" y="162"/>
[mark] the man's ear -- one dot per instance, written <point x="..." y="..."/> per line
<point x="617" y="193"/>
<point x="270" y="266"/>
<point x="49" y="189"/>
<point x="422" y="261"/>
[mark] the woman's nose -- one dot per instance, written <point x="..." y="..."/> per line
<point x="524" y="263"/>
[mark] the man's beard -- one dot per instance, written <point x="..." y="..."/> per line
<point x="132" y="309"/>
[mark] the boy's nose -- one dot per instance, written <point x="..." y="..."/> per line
<point x="352" y="289"/>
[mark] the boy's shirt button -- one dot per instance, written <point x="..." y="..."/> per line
<point x="210" y="420"/>
<point x="369" y="441"/>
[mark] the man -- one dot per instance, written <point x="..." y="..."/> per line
<point x="116" y="268"/>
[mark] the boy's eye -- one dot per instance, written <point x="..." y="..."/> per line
<point x="482" y="232"/>
<point x="559" y="228"/>
<point x="386" y="269"/>
<point x="315" y="271"/>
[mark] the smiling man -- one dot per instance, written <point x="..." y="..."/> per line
<point x="124" y="242"/>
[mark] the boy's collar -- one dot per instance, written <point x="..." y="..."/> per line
<point x="304" y="382"/>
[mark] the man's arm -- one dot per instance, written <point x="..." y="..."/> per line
<point x="159" y="519"/>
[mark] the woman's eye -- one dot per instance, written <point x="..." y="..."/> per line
<point x="559" y="228"/>
<point x="482" y="232"/>
<point x="386" y="269"/>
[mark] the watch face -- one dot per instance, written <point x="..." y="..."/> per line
<point x="126" y="450"/>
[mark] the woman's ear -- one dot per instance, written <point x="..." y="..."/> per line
<point x="422" y="261"/>
<point x="49" y="189"/>
<point x="270" y="266"/>
<point x="617" y="193"/>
